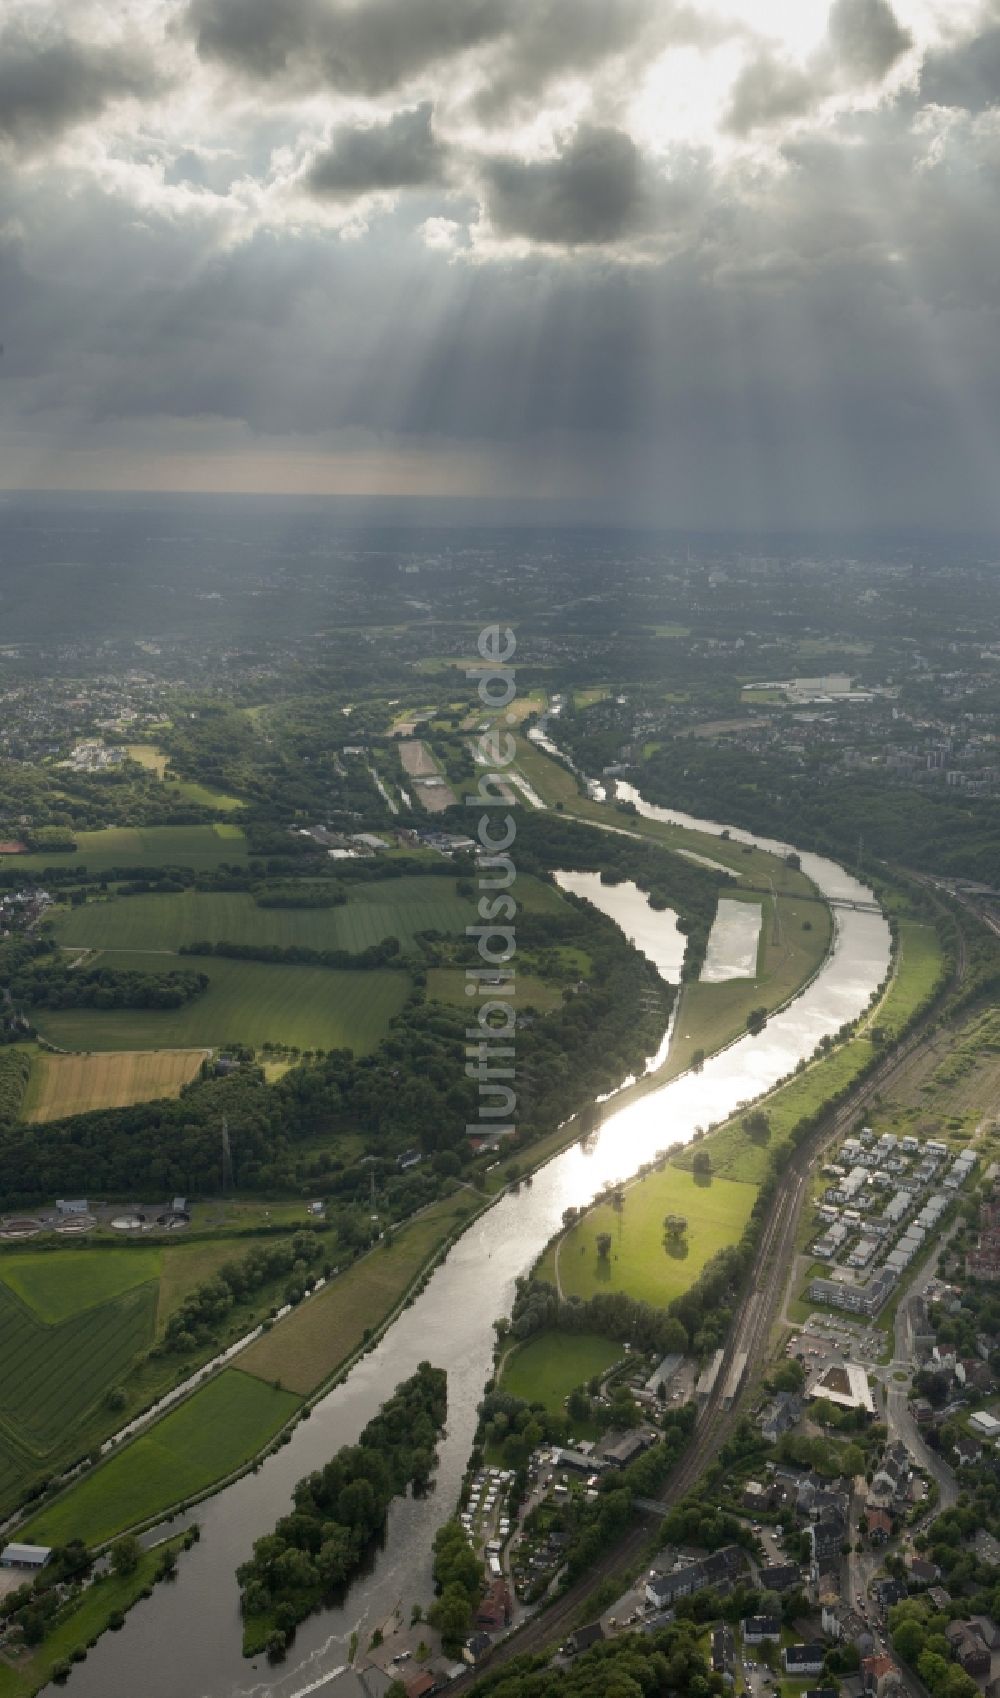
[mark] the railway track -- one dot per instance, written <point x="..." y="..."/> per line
<point x="750" y="1331"/>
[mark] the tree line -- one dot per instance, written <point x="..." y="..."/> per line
<point x="197" y="1320"/>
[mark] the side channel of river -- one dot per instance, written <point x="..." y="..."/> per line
<point x="185" y="1641"/>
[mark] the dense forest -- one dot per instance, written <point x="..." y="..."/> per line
<point x="338" y="1510"/>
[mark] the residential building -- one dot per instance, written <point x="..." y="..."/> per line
<point x="757" y="1628"/>
<point x="798" y="1660"/>
<point x="782" y="1577"/>
<point x="968" y="1649"/>
<point x="879" y="1674"/>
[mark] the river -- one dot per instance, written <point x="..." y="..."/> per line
<point x="185" y="1641"/>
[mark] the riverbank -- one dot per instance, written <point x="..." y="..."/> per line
<point x="195" y="1629"/>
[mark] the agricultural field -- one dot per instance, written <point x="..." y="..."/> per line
<point x="546" y="1368"/>
<point x="203" y="847"/>
<point x="716" y="1214"/>
<point x="376" y="910"/>
<point x="57" y="1373"/>
<point x="307" y="1347"/>
<point x="248" y="1002"/>
<point x="205" y="1438"/>
<point x="76" y="1322"/>
<point x="55" y="1284"/>
<point x="73" y="1084"/>
<point x="148" y="756"/>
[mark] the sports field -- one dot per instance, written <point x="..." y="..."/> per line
<point x="383" y="908"/>
<point x="639" y="1263"/>
<point x="305" y="1349"/>
<point x="199" y="846"/>
<point x="247" y="1002"/>
<point x="72" y="1084"/>
<point x="546" y="1368"/>
<point x="217" y="1429"/>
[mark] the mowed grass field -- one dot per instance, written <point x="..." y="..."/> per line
<point x="249" y="1002"/>
<point x="447" y="984"/>
<point x="304" y="1350"/>
<point x="199" y="846"/>
<point x="546" y="1368"/>
<point x="639" y="1264"/>
<point x="220" y="1427"/>
<point x="72" y="1084"/>
<point x="384" y="908"/>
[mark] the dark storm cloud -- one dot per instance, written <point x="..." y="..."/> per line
<point x="591" y="192"/>
<point x="50" y="83"/>
<point x="967" y="75"/>
<point x="369" y="47"/>
<point x="402" y="153"/>
<point x="558" y="37"/>
<point x="866" y="37"/>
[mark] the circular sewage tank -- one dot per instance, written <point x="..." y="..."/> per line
<point x="128" y="1223"/>
<point x="75" y="1224"/>
<point x="19" y="1228"/>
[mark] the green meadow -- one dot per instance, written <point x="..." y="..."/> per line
<point x="205" y="1438"/>
<point x="248" y="1002"/>
<point x="546" y="1368"/>
<point x="202" y="847"/>
<point x="639" y="1263"/>
<point x="383" y="908"/>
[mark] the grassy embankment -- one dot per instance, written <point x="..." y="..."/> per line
<point x="709" y="1016"/>
<point x="82" y="1622"/>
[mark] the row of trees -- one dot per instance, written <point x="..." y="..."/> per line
<point x="15" y="1067"/>
<point x="382" y="954"/>
<point x="196" y="1321"/>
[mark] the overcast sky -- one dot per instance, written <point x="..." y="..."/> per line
<point x="698" y="261"/>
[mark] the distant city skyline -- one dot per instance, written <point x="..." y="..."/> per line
<point x="718" y="263"/>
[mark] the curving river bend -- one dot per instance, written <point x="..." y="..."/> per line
<point x="185" y="1641"/>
